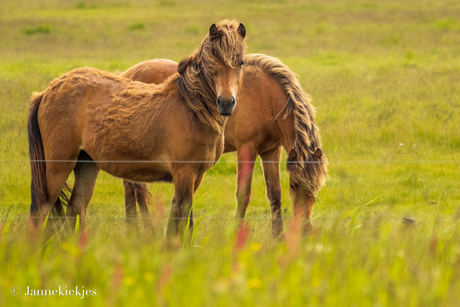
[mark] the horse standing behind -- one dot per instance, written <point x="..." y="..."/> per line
<point x="89" y="120"/>
<point x="272" y="111"/>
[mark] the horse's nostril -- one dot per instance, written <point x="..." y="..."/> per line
<point x="226" y="102"/>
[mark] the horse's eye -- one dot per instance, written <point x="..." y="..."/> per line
<point x="291" y="186"/>
<point x="242" y="63"/>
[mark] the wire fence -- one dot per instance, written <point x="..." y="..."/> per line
<point x="261" y="161"/>
<point x="229" y="217"/>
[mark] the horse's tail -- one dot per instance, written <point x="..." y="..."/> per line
<point x="38" y="186"/>
<point x="141" y="191"/>
<point x="310" y="169"/>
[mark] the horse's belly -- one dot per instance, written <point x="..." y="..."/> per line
<point x="138" y="171"/>
<point x="149" y="176"/>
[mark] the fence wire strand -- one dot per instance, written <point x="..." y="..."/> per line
<point x="229" y="162"/>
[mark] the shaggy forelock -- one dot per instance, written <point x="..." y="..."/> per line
<point x="227" y="45"/>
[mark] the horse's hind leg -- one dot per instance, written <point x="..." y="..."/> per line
<point x="86" y="172"/>
<point x="56" y="177"/>
<point x="130" y="203"/>
<point x="271" y="167"/>
<point x="143" y="198"/>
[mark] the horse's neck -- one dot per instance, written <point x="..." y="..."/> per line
<point x="285" y="131"/>
<point x="202" y="104"/>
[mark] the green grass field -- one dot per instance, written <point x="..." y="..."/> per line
<point x="385" y="78"/>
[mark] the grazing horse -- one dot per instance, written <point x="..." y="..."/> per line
<point x="272" y="111"/>
<point x="89" y="120"/>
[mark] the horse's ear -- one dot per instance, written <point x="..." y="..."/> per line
<point x="183" y="64"/>
<point x="242" y="30"/>
<point x="318" y="153"/>
<point x="213" y="32"/>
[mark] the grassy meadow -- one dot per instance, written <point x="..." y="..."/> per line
<point x="385" y="79"/>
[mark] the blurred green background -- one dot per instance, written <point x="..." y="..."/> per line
<point x="384" y="77"/>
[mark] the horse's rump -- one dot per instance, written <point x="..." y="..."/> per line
<point x="39" y="194"/>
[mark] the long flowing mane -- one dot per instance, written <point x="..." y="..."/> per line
<point x="196" y="71"/>
<point x="310" y="167"/>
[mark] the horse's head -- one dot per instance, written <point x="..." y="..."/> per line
<point x="228" y="51"/>
<point x="211" y="75"/>
<point x="304" y="183"/>
<point x="302" y="202"/>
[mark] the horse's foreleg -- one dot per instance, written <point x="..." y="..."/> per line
<point x="246" y="162"/>
<point x="182" y="203"/>
<point x="130" y="203"/>
<point x="271" y="167"/>
<point x="85" y="180"/>
<point x="197" y="184"/>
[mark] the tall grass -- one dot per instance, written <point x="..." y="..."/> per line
<point x="377" y="261"/>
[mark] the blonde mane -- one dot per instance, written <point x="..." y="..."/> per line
<point x="196" y="84"/>
<point x="307" y="164"/>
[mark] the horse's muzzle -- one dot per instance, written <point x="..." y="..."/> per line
<point x="226" y="105"/>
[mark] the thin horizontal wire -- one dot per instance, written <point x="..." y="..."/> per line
<point x="147" y="218"/>
<point x="283" y="162"/>
<point x="149" y="161"/>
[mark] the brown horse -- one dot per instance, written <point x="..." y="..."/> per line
<point x="89" y="120"/>
<point x="272" y="111"/>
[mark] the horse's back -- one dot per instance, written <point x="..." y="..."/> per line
<point x="152" y="71"/>
<point x="88" y="108"/>
<point x="78" y="86"/>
